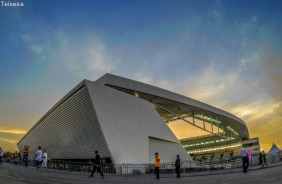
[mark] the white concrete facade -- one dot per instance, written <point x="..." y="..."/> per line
<point x="96" y="117"/>
<point x="129" y="123"/>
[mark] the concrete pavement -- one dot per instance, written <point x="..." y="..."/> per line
<point x="12" y="174"/>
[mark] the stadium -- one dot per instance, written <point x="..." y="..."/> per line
<point x="128" y="121"/>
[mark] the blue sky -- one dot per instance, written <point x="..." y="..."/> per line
<point x="224" y="53"/>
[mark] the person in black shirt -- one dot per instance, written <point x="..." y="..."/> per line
<point x="264" y="163"/>
<point x="177" y="166"/>
<point x="97" y="165"/>
<point x="260" y="158"/>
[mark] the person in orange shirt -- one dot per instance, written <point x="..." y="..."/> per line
<point x="157" y="165"/>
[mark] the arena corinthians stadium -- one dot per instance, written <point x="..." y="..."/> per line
<point x="128" y="121"/>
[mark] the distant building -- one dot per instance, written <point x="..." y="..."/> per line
<point x="253" y="145"/>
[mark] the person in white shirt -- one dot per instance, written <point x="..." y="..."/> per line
<point x="38" y="157"/>
<point x="44" y="160"/>
<point x="245" y="158"/>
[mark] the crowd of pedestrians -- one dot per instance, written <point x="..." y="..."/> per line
<point x="262" y="159"/>
<point x="247" y="157"/>
<point x="41" y="159"/>
<point x="157" y="164"/>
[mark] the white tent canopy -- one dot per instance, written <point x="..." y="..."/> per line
<point x="274" y="149"/>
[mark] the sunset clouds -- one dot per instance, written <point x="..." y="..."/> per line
<point x="223" y="53"/>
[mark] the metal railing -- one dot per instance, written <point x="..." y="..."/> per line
<point x="187" y="167"/>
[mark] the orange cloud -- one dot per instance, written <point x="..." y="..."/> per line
<point x="13" y="131"/>
<point x="8" y="140"/>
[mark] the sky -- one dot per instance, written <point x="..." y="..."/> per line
<point x="221" y="52"/>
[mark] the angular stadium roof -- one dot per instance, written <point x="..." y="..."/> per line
<point x="172" y="106"/>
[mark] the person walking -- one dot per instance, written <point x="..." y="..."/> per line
<point x="97" y="165"/>
<point x="231" y="155"/>
<point x="250" y="156"/>
<point x="38" y="157"/>
<point x="1" y="154"/>
<point x="260" y="158"/>
<point x="44" y="160"/>
<point x="25" y="158"/>
<point x="264" y="163"/>
<point x="245" y="158"/>
<point x="177" y="166"/>
<point x="157" y="165"/>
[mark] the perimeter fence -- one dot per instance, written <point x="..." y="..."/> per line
<point x="187" y="167"/>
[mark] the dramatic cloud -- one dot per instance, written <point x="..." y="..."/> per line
<point x="241" y="91"/>
<point x="271" y="65"/>
<point x="207" y="85"/>
<point x="218" y="52"/>
<point x="8" y="140"/>
<point x="84" y="57"/>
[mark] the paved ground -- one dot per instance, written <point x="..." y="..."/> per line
<point x="11" y="174"/>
